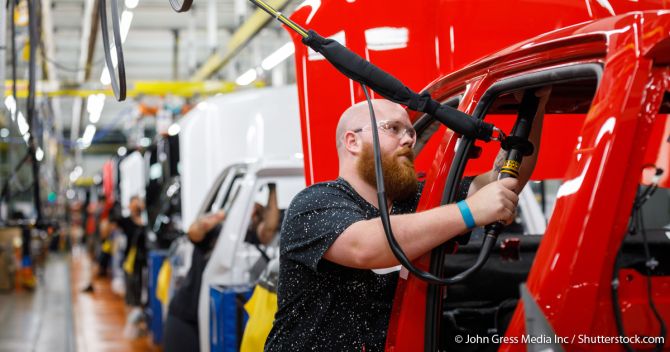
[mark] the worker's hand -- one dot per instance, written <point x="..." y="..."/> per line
<point x="200" y="227"/>
<point x="494" y="202"/>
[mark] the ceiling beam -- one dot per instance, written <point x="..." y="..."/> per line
<point x="185" y="89"/>
<point x="247" y="31"/>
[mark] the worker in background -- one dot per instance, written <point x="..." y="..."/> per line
<point x="134" y="264"/>
<point x="107" y="228"/>
<point x="181" y="326"/>
<point x="329" y="297"/>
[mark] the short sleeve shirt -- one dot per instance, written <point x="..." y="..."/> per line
<point x="324" y="306"/>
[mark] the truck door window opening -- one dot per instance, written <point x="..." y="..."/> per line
<point x="474" y="307"/>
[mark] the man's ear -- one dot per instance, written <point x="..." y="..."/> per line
<point x="352" y="143"/>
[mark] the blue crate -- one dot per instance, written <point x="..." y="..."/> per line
<point x="227" y="317"/>
<point x="156" y="259"/>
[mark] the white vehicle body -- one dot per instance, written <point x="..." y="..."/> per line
<point x="247" y="125"/>
<point x="133" y="178"/>
<point x="237" y="191"/>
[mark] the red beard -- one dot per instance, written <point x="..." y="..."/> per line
<point x="400" y="180"/>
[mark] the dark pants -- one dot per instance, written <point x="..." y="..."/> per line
<point x="180" y="335"/>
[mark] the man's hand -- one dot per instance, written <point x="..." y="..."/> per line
<point x="494" y="202"/>
<point x="200" y="227"/>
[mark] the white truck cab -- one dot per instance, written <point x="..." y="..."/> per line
<point x="236" y="190"/>
<point x="234" y="145"/>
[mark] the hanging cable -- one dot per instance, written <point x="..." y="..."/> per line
<point x="118" y="82"/>
<point x="181" y="6"/>
<point x="518" y="147"/>
<point x="362" y="71"/>
<point x="33" y="119"/>
<point x="12" y="26"/>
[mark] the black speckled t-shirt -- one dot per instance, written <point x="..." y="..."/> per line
<point x="324" y="306"/>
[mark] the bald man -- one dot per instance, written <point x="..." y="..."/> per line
<point x="329" y="297"/>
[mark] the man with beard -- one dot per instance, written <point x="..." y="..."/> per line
<point x="329" y="297"/>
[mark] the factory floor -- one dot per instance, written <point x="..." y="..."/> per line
<point x="58" y="316"/>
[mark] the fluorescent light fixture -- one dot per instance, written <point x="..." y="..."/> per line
<point x="281" y="54"/>
<point x="74" y="175"/>
<point x="87" y="138"/>
<point x="39" y="154"/>
<point x="247" y="77"/>
<point x="94" y="105"/>
<point x="131" y="4"/>
<point x="122" y="151"/>
<point x="4" y="133"/>
<point x="126" y="20"/>
<point x="10" y="103"/>
<point x="112" y="51"/>
<point x="105" y="78"/>
<point x="174" y="129"/>
<point x="23" y="124"/>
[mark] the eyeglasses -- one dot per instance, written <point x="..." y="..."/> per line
<point x="393" y="128"/>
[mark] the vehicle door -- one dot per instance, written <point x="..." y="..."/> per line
<point x="590" y="105"/>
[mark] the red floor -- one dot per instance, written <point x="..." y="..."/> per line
<point x="99" y="317"/>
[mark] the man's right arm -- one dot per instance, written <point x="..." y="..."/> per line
<point x="363" y="245"/>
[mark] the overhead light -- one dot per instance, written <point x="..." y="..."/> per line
<point x="131" y="4"/>
<point x="247" y="77"/>
<point x="174" y="129"/>
<point x="112" y="52"/>
<point x="94" y="105"/>
<point x="122" y="151"/>
<point x="105" y="78"/>
<point x="145" y="142"/>
<point x="4" y="133"/>
<point x="126" y="20"/>
<point x="278" y="56"/>
<point x="87" y="138"/>
<point x="23" y="124"/>
<point x="10" y="103"/>
<point x="75" y="174"/>
<point x="39" y="154"/>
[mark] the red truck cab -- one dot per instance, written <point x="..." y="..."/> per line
<point x="606" y="128"/>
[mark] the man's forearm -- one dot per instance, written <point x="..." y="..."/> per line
<point x="368" y="248"/>
<point x="269" y="226"/>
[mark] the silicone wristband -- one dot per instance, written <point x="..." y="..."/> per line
<point x="466" y="214"/>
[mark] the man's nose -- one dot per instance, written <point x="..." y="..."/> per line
<point x="407" y="140"/>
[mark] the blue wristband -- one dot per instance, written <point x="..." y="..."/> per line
<point x="466" y="214"/>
